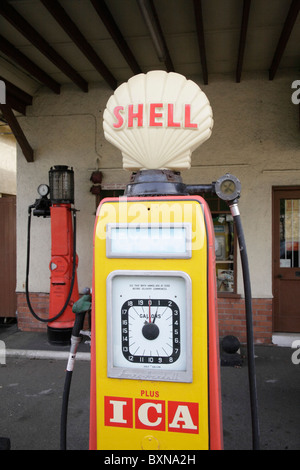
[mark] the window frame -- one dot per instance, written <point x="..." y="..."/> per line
<point x="221" y="207"/>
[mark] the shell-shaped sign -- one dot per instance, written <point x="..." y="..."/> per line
<point x="157" y="120"/>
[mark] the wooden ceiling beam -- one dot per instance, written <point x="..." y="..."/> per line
<point x="15" y="104"/>
<point x="284" y="37"/>
<point x="20" y="59"/>
<point x="112" y="27"/>
<point x="151" y="19"/>
<point x="67" y="24"/>
<point x="18" y="22"/>
<point x="201" y="38"/>
<point x="242" y="43"/>
<point x="17" y="92"/>
<point x="168" y="61"/>
<point x="11" y="120"/>
<point x="16" y="98"/>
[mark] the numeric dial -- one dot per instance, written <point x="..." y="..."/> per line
<point x="150" y="331"/>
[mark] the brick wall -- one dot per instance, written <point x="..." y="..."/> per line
<point x="39" y="302"/>
<point x="232" y="320"/>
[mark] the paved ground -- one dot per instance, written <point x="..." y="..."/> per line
<point x="31" y="392"/>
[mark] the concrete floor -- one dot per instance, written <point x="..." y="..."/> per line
<point x="31" y="393"/>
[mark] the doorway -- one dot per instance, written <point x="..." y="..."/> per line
<point x="286" y="259"/>
<point x="8" y="256"/>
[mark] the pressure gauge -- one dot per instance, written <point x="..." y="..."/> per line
<point x="228" y="187"/>
<point x="149" y="325"/>
<point x="43" y="190"/>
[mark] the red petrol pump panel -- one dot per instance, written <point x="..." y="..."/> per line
<point x="61" y="267"/>
<point x="155" y="355"/>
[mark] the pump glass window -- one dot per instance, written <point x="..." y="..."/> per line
<point x="149" y="324"/>
<point x="225" y="244"/>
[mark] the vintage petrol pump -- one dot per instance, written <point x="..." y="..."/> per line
<point x="155" y="368"/>
<point x="64" y="260"/>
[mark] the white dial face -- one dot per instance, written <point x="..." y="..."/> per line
<point x="149" y="321"/>
<point x="43" y="189"/>
<point x="150" y="331"/>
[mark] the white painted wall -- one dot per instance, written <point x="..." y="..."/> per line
<point x="256" y="137"/>
<point x="8" y="161"/>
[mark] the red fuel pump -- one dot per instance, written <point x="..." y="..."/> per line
<point x="64" y="260"/>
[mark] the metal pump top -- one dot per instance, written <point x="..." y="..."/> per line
<point x="162" y="183"/>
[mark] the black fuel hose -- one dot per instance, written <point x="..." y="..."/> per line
<point x="64" y="410"/>
<point x="48" y="320"/>
<point x="249" y="324"/>
<point x="75" y="340"/>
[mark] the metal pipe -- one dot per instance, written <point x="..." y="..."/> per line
<point x="200" y="188"/>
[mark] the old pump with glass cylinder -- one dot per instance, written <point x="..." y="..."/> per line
<point x="155" y="368"/>
<point x="64" y="260"/>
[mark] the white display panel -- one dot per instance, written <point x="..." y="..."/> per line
<point x="149" y="325"/>
<point x="148" y="240"/>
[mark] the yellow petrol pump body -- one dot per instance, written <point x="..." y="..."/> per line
<point x="152" y="373"/>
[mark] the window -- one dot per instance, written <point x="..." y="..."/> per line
<point x="103" y="193"/>
<point x="225" y="244"/>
